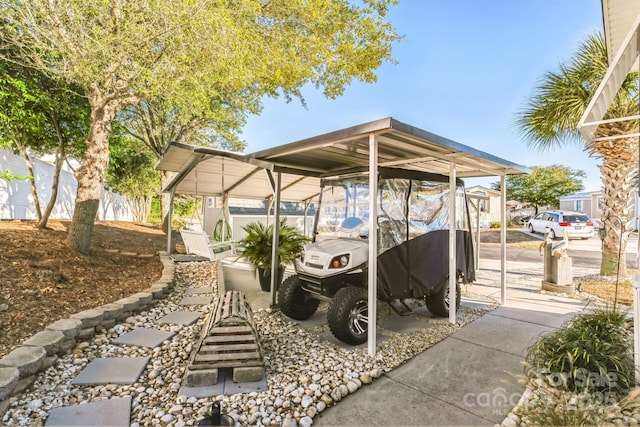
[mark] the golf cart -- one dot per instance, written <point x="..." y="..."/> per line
<point x="412" y="247"/>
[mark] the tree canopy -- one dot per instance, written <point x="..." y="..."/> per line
<point x="544" y="186"/>
<point x="222" y="57"/>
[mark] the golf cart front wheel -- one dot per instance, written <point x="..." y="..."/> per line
<point x="348" y="315"/>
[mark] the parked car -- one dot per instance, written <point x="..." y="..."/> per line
<point x="576" y="224"/>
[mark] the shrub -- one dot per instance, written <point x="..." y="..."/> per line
<point x="592" y="353"/>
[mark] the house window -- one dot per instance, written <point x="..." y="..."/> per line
<point x="579" y="205"/>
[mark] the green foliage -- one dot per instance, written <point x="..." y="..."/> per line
<point x="155" y="212"/>
<point x="39" y="112"/>
<point x="11" y="176"/>
<point x="131" y="169"/>
<point x="496" y="224"/>
<point x="258" y="244"/>
<point x="544" y="186"/>
<point x="590" y="354"/>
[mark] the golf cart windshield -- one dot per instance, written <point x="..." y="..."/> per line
<point x="407" y="208"/>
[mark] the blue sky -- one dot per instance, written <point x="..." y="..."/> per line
<point x="464" y="69"/>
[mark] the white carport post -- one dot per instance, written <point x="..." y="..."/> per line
<point x="453" y="259"/>
<point x="372" y="274"/>
<point x="275" y="262"/>
<point x="503" y="240"/>
<point x="169" y="215"/>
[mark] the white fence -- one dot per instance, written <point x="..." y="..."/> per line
<point x="16" y="201"/>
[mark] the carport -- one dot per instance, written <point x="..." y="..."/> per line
<point x="292" y="172"/>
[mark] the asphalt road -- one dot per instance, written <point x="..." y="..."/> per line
<point x="584" y="253"/>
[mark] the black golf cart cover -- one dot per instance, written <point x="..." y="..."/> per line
<point x="413" y="234"/>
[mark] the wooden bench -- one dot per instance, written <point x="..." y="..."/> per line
<point x="198" y="243"/>
<point x="229" y="339"/>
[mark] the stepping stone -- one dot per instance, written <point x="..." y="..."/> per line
<point x="202" y="290"/>
<point x="196" y="300"/>
<point x="180" y="318"/>
<point x="114" y="412"/>
<point x="144" y="337"/>
<point x="112" y="370"/>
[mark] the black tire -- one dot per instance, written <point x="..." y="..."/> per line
<point x="348" y="315"/>
<point x="438" y="304"/>
<point x="552" y="234"/>
<point x="294" y="301"/>
<point x="531" y="229"/>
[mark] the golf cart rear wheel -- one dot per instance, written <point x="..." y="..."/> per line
<point x="438" y="304"/>
<point x="294" y="301"/>
<point x="348" y="316"/>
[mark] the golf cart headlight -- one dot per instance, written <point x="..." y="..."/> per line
<point x="340" y="261"/>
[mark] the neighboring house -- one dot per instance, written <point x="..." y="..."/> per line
<point x="16" y="201"/>
<point x="590" y="203"/>
<point x="487" y="202"/>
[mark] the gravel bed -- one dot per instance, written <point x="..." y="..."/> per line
<point x="305" y="375"/>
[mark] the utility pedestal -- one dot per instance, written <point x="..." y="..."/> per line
<point x="557" y="272"/>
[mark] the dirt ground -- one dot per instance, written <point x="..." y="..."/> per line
<point x="42" y="280"/>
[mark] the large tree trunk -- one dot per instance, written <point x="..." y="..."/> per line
<point x="32" y="179"/>
<point x="617" y="211"/>
<point x="91" y="174"/>
<point x="165" y="201"/>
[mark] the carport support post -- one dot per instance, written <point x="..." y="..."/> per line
<point x="275" y="262"/>
<point x="503" y="240"/>
<point x="169" y="214"/>
<point x="372" y="273"/>
<point x="453" y="259"/>
<point x="635" y="280"/>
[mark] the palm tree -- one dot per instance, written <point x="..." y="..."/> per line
<point x="550" y="119"/>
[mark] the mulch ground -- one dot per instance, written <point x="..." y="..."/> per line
<point x="42" y="280"/>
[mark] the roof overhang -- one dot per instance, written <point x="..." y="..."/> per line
<point x="623" y="63"/>
<point x="208" y="171"/>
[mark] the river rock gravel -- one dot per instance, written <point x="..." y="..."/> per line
<point x="305" y="373"/>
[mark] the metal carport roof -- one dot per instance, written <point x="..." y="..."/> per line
<point x="208" y="171"/>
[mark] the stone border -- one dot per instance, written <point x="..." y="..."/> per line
<point x="19" y="368"/>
